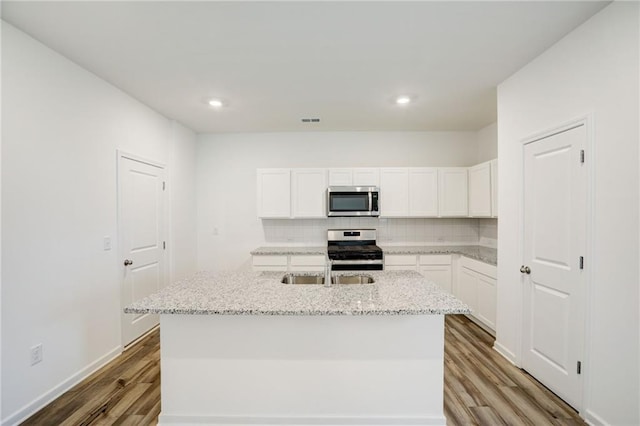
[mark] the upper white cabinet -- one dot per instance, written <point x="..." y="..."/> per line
<point x="494" y="188"/>
<point x="480" y="190"/>
<point x="452" y="192"/>
<point x="394" y="192"/>
<point x="309" y="188"/>
<point x="366" y="176"/>
<point x="360" y="176"/>
<point x="274" y="193"/>
<point x="423" y="192"/>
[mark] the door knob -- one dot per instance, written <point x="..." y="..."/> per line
<point x="525" y="269"/>
<point x="128" y="262"/>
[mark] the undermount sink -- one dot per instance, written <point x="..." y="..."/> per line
<point x="302" y="279"/>
<point x="318" y="279"/>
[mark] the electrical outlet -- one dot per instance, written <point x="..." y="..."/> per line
<point x="36" y="354"/>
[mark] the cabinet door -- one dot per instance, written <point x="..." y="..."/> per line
<point x="439" y="274"/>
<point x="423" y="192"/>
<point x="394" y="192"/>
<point x="467" y="288"/>
<point x="306" y="263"/>
<point x="480" y="190"/>
<point x="274" y="193"/>
<point x="366" y="176"/>
<point x="494" y="188"/>
<point x="309" y="189"/>
<point x="486" y="308"/>
<point x="452" y="192"/>
<point x="340" y="177"/>
<point x="269" y="263"/>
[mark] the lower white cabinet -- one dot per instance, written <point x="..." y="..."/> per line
<point x="437" y="268"/>
<point x="291" y="263"/>
<point x="270" y="263"/>
<point x="400" y="262"/>
<point x="476" y="286"/>
<point x="311" y="263"/>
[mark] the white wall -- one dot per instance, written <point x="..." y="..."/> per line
<point x="227" y="166"/>
<point x="487" y="140"/>
<point x="61" y="129"/>
<point x="594" y="70"/>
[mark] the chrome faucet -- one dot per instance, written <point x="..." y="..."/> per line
<point x="327" y="271"/>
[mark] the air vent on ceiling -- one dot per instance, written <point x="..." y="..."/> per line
<point x="310" y="120"/>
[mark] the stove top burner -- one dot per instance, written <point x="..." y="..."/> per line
<point x="353" y="245"/>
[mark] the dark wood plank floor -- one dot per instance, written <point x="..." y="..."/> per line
<point x="481" y="388"/>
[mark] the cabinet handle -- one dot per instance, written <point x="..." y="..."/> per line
<point x="525" y="269"/>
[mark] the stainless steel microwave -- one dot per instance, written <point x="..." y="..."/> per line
<point x="353" y="201"/>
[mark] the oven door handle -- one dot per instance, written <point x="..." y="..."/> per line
<point x="358" y="262"/>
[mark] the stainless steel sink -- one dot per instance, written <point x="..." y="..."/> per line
<point x="302" y="279"/>
<point x="352" y="279"/>
<point x="319" y="279"/>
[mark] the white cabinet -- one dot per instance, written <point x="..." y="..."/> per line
<point x="366" y="176"/>
<point x="423" y="192"/>
<point x="400" y="262"/>
<point x="476" y="286"/>
<point x="274" y="193"/>
<point x="452" y="192"/>
<point x="306" y="263"/>
<point x="394" y="192"/>
<point x="494" y="188"/>
<point x="437" y="268"/>
<point x="359" y="176"/>
<point x="308" y="188"/>
<point x="270" y="263"/>
<point x="340" y="177"/>
<point x="480" y="190"/>
<point x="291" y="263"/>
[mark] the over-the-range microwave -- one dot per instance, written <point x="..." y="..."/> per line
<point x="353" y="201"/>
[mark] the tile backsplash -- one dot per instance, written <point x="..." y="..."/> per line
<point x="390" y="231"/>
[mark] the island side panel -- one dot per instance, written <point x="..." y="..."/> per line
<point x="303" y="370"/>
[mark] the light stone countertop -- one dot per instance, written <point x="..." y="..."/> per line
<point x="481" y="253"/>
<point x="262" y="293"/>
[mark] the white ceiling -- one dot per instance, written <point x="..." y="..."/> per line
<point x="274" y="63"/>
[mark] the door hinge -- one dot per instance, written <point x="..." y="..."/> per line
<point x="582" y="155"/>
<point x="579" y="367"/>
<point x="163" y="185"/>
<point x="581" y="262"/>
<point x="164" y="245"/>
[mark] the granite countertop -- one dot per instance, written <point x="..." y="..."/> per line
<point x="262" y="293"/>
<point x="483" y="254"/>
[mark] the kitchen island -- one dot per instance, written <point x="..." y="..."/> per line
<point x="242" y="348"/>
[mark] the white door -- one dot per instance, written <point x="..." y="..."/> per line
<point x="141" y="227"/>
<point x="554" y="241"/>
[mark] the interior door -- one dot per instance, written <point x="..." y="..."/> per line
<point x="554" y="241"/>
<point x="141" y="197"/>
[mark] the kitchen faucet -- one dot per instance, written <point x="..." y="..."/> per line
<point x="327" y="271"/>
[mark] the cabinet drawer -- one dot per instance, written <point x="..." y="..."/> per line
<point x="479" y="267"/>
<point x="270" y="261"/>
<point x="307" y="260"/>
<point x="400" y="260"/>
<point x="435" y="259"/>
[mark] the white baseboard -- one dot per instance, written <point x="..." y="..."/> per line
<point x="187" y="420"/>
<point x="46" y="398"/>
<point x="593" y="419"/>
<point x="506" y="353"/>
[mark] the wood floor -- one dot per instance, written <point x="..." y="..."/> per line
<point x="481" y="388"/>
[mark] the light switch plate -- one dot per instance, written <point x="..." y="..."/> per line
<point x="106" y="243"/>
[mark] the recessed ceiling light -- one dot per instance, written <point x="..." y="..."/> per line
<point x="216" y="103"/>
<point x="403" y="100"/>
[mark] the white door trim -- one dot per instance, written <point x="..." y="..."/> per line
<point x="120" y="155"/>
<point x="590" y="159"/>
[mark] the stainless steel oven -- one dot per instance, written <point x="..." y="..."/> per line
<point x="354" y="250"/>
<point x="353" y="201"/>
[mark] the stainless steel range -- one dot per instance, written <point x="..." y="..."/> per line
<point x="354" y="250"/>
